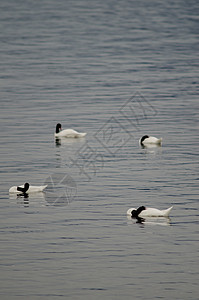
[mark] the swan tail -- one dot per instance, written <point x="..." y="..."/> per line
<point x="167" y="211"/>
<point x="82" y="134"/>
<point x="43" y="187"/>
<point x="159" y="141"/>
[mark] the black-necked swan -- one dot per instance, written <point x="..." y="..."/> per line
<point x="146" y="140"/>
<point x="70" y="133"/>
<point x="26" y="188"/>
<point x="150" y="212"/>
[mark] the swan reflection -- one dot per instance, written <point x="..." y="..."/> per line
<point x="161" y="221"/>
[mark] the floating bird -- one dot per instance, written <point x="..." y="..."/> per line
<point x="148" y="212"/>
<point x="26" y="188"/>
<point x="69" y="133"/>
<point x="146" y="140"/>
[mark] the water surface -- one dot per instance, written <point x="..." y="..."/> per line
<point x="116" y="70"/>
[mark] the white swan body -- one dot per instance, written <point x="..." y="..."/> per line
<point x="147" y="140"/>
<point x="69" y="133"/>
<point x="152" y="212"/>
<point x="31" y="189"/>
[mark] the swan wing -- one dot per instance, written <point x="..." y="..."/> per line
<point x="13" y="189"/>
<point x="35" y="188"/>
<point x="152" y="140"/>
<point x="71" y="133"/>
<point x="154" y="212"/>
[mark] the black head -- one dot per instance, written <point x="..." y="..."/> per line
<point x="135" y="213"/>
<point x="58" y="128"/>
<point x="23" y="189"/>
<point x="143" y="138"/>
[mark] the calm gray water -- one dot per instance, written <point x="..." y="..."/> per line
<point x="116" y="70"/>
